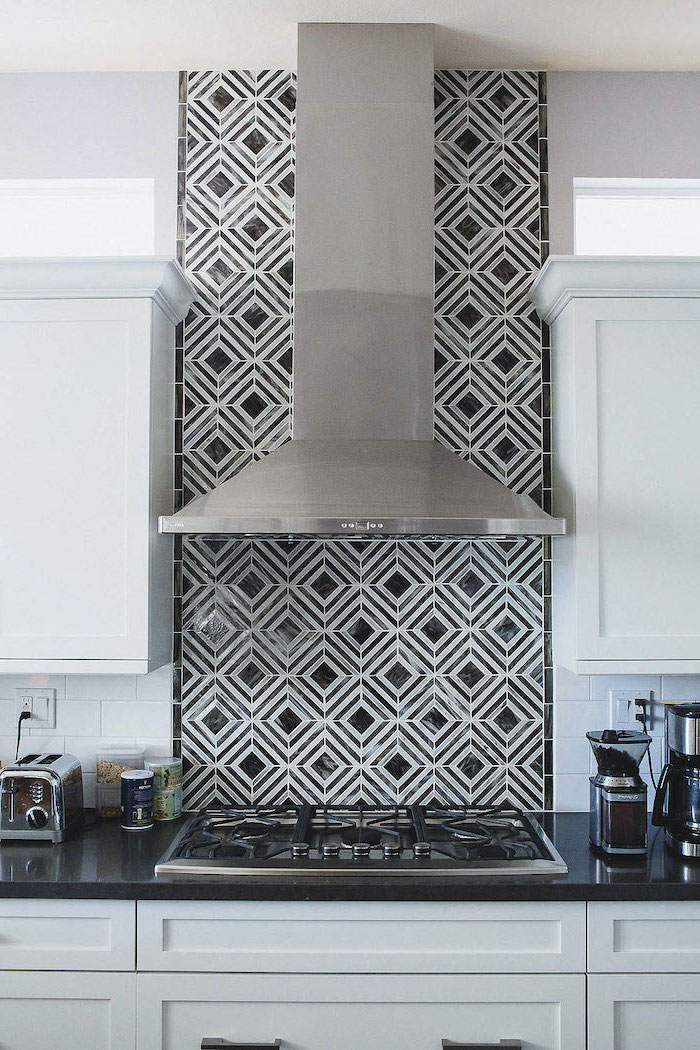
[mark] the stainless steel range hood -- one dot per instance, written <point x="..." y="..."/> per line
<point x="362" y="458"/>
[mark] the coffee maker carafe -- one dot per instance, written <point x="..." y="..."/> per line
<point x="618" y="819"/>
<point x="677" y="801"/>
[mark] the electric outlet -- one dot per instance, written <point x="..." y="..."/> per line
<point x="41" y="705"/>
<point x="623" y="711"/>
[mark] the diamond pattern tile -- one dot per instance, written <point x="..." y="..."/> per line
<point x="361" y="670"/>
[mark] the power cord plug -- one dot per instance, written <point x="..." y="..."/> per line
<point x="642" y="717"/>
<point x="23" y="715"/>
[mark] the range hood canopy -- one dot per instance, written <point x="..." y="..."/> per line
<point x="362" y="458"/>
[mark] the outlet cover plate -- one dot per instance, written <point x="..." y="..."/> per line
<point x="622" y="710"/>
<point x="43" y="703"/>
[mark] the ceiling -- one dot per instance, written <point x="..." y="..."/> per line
<point x="253" y="34"/>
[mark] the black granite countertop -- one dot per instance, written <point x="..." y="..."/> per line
<point x="104" y="862"/>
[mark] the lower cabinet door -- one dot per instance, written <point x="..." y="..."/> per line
<point x="67" y="1011"/>
<point x="643" y="1011"/>
<point x="360" y="1012"/>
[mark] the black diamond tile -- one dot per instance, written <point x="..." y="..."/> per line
<point x="287" y="185"/>
<point x="361" y="720"/>
<point x="251" y="584"/>
<point x="288" y="629"/>
<point x="505" y="449"/>
<point x="505" y="361"/>
<point x="255" y="228"/>
<point x="360" y="631"/>
<point x="467" y="141"/>
<point x="434" y="720"/>
<point x="470" y="674"/>
<point x="469" y="405"/>
<point x="507" y="629"/>
<point x="503" y="99"/>
<point x="503" y="185"/>
<point x="469" y="316"/>
<point x="504" y="271"/>
<point x="325" y="766"/>
<point x="470" y="583"/>
<point x="469" y="228"/>
<point x="397" y="766"/>
<point x="288" y="98"/>
<point x="252" y="766"/>
<point x="471" y="765"/>
<point x="324" y="675"/>
<point x="220" y="99"/>
<point x="253" y="405"/>
<point x="397" y="675"/>
<point x="254" y="316"/>
<point x="218" y="360"/>
<point x="289" y="720"/>
<point x="434" y="629"/>
<point x="215" y="720"/>
<point x="397" y="584"/>
<point x="506" y="720"/>
<point x="220" y="184"/>
<point x="324" y="585"/>
<point x="220" y="271"/>
<point x="217" y="450"/>
<point x="251" y="675"/>
<point x="255" y="141"/>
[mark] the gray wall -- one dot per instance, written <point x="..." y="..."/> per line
<point x="618" y="125"/>
<point x="94" y="125"/>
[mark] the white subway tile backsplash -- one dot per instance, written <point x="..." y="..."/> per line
<point x="155" y="747"/>
<point x="601" y="684"/>
<point x="571" y="792"/>
<point x="571" y="755"/>
<point x="10" y="682"/>
<point x="149" y="719"/>
<point x="78" y="718"/>
<point x="8" y="717"/>
<point x="682" y="687"/>
<point x="570" y="686"/>
<point x="101" y="687"/>
<point x="577" y="717"/>
<point x="157" y="685"/>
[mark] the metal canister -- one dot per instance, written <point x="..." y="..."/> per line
<point x="167" y="787"/>
<point x="137" y="799"/>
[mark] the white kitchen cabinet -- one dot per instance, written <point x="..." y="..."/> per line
<point x="360" y="1012"/>
<point x="643" y="1011"/>
<point x="626" y="430"/>
<point x="86" y="431"/>
<point x="362" y="937"/>
<point x="67" y="935"/>
<point x="67" y="1011"/>
<point x="635" y="936"/>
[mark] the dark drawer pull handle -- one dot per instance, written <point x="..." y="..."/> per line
<point x="514" y="1044"/>
<point x="221" y="1044"/>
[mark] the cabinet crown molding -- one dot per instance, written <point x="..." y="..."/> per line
<point x="567" y="277"/>
<point x="113" y="277"/>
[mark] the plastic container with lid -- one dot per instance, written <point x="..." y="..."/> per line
<point x="111" y="763"/>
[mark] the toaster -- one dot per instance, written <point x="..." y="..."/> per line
<point x="41" y="797"/>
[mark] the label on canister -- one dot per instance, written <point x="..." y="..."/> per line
<point x="167" y="773"/>
<point x="137" y="799"/>
<point x="167" y="805"/>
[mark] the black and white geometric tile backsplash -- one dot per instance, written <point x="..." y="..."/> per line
<point x="347" y="670"/>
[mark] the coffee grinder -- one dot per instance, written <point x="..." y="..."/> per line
<point x="618" y="818"/>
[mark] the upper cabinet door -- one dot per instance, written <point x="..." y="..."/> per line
<point x="626" y="429"/>
<point x="86" y="418"/>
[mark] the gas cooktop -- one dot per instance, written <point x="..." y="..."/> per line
<point x="327" y="841"/>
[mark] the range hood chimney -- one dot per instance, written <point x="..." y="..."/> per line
<point x="362" y="458"/>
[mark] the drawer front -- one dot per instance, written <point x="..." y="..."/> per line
<point x="643" y="1012"/>
<point x="67" y="1011"/>
<point x="368" y="937"/>
<point x="660" y="936"/>
<point x="324" y="1012"/>
<point x="67" y="935"/>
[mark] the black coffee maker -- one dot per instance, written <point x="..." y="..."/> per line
<point x="618" y="816"/>
<point x="677" y="801"/>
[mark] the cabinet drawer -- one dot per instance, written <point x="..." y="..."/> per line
<point x="367" y="937"/>
<point x="643" y="1012"/>
<point x="660" y="936"/>
<point x="67" y="935"/>
<point x="67" y="1011"/>
<point x="360" y="1012"/>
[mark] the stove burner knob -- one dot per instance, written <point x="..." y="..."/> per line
<point x="300" y="849"/>
<point x="361" y="849"/>
<point x="330" y="849"/>
<point x="421" y="849"/>
<point x="392" y="849"/>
